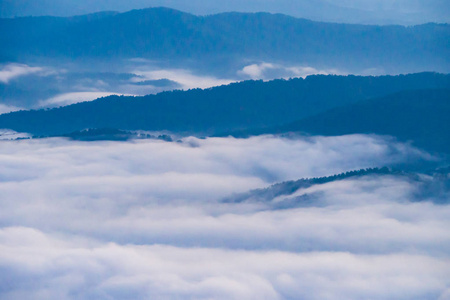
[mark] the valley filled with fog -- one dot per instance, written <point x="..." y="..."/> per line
<point x="237" y="150"/>
<point x="147" y="219"/>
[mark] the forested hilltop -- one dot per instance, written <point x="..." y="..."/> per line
<point x="420" y="116"/>
<point x="329" y="105"/>
<point x="247" y="104"/>
<point x="285" y="195"/>
<point x="161" y="33"/>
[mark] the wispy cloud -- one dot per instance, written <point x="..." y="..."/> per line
<point x="268" y="71"/>
<point x="6" y="134"/>
<point x="11" y="71"/>
<point x="186" y="78"/>
<point x="71" y="98"/>
<point x="8" y="108"/>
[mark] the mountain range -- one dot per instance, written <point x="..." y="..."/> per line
<point x="167" y="34"/>
<point x="411" y="107"/>
<point x="350" y="11"/>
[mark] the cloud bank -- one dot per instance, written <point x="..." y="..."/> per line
<point x="144" y="219"/>
<point x="68" y="83"/>
<point x="164" y="272"/>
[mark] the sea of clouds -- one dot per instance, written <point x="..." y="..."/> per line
<point x="145" y="220"/>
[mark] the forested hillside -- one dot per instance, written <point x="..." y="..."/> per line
<point x="421" y="116"/>
<point x="244" y="105"/>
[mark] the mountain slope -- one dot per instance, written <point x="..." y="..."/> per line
<point x="287" y="188"/>
<point x="162" y="33"/>
<point x="294" y="193"/>
<point x="244" y="105"/>
<point x="418" y="115"/>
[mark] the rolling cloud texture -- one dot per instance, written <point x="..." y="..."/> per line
<point x="151" y="219"/>
<point x="145" y="219"/>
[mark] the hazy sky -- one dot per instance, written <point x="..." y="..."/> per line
<point x="351" y="11"/>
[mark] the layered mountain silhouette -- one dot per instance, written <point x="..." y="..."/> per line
<point x="421" y="116"/>
<point x="161" y="33"/>
<point x="357" y="11"/>
<point x="411" y="107"/>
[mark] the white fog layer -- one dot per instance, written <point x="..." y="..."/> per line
<point x="146" y="220"/>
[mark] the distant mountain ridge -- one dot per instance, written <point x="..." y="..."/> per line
<point x="329" y="104"/>
<point x="421" y="116"/>
<point x="344" y="11"/>
<point x="161" y="33"/>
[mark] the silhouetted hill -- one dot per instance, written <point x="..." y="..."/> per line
<point x="354" y="11"/>
<point x="109" y="134"/>
<point x="283" y="195"/>
<point x="244" y="105"/>
<point x="287" y="188"/>
<point x="161" y="33"/>
<point x="421" y="116"/>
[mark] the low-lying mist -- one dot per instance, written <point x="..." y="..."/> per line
<point x="146" y="219"/>
<point x="46" y="84"/>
